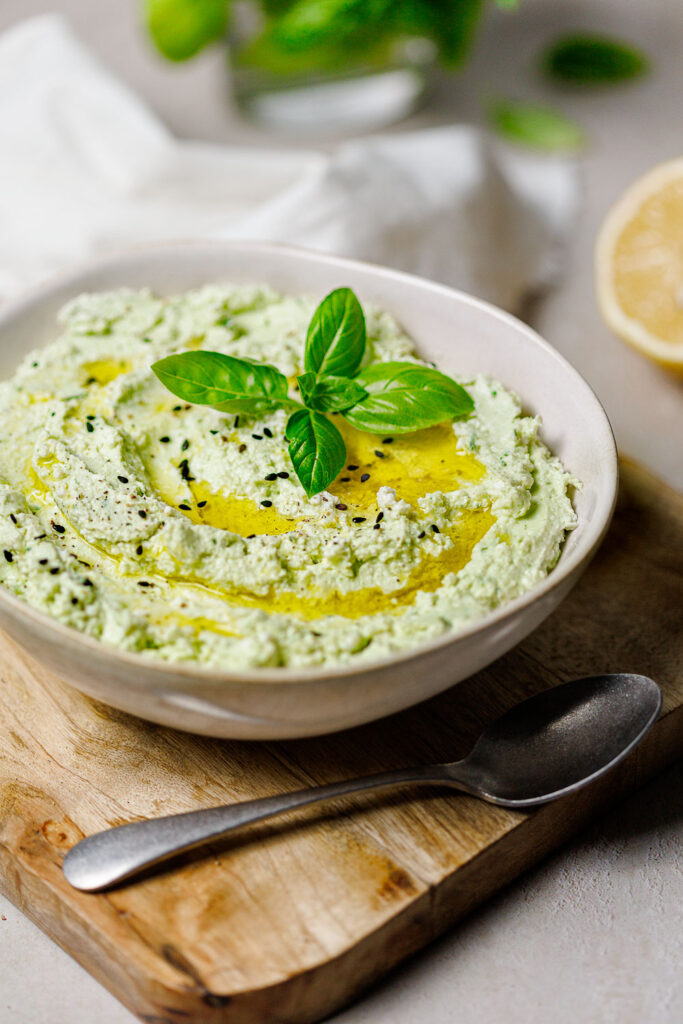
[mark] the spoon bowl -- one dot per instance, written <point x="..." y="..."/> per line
<point x="547" y="746"/>
<point x="561" y="739"/>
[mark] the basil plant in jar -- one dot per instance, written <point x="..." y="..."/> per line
<point x="328" y="66"/>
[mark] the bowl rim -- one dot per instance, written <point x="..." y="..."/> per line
<point x="196" y="674"/>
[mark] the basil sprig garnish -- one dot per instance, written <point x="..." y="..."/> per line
<point x="391" y="397"/>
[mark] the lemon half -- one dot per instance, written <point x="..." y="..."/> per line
<point x="639" y="265"/>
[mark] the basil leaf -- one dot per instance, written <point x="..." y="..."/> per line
<point x="223" y="382"/>
<point x="181" y="28"/>
<point x="593" y="60"/>
<point x="403" y="397"/>
<point x="316" y="448"/>
<point x="329" y="394"/>
<point x="335" y="342"/>
<point x="537" y="127"/>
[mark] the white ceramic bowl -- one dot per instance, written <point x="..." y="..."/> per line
<point x="462" y="335"/>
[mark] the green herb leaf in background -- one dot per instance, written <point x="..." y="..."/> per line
<point x="593" y="60"/>
<point x="309" y="36"/>
<point x="450" y="25"/>
<point x="403" y="397"/>
<point x="534" y="126"/>
<point x="301" y="37"/>
<point x="335" y="343"/>
<point x="316" y="448"/>
<point x="310" y="23"/>
<point x="181" y="28"/>
<point x="329" y="394"/>
<point x="224" y="382"/>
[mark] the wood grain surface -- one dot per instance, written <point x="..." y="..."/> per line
<point x="289" y="921"/>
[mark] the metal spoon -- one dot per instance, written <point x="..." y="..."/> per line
<point x="552" y="744"/>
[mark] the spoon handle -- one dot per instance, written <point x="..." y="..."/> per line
<point x="118" y="853"/>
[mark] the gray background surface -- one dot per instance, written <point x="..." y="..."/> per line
<point x="593" y="935"/>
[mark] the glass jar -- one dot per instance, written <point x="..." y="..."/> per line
<point x="314" y="94"/>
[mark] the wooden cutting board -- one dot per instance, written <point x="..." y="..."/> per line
<point x="288" y="922"/>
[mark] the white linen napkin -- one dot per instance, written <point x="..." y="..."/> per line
<point x="86" y="168"/>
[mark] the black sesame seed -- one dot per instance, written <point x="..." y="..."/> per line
<point x="266" y="503"/>
<point x="90" y="416"/>
<point x="144" y="583"/>
<point x="341" y="506"/>
<point x="142" y="514"/>
<point x="388" y="440"/>
<point x="87" y="582"/>
<point x="344" y="479"/>
<point x="91" y="380"/>
<point x="184" y="507"/>
<point x="376" y="526"/>
<point x="435" y="528"/>
<point x="379" y="454"/>
<point x="89" y="427"/>
<point x="237" y="422"/>
<point x="123" y="479"/>
<point x="9" y="557"/>
<point x="41" y="536"/>
<point x="352" y="469"/>
<point x="138" y="550"/>
<point x="13" y="518"/>
<point x="284" y="475"/>
<point x="271" y="476"/>
<point x="358" y="519"/>
<point x="185" y="445"/>
<point x="74" y="600"/>
<point x="251" y="536"/>
<point x="421" y="535"/>
<point x="267" y="431"/>
<point x="57" y="527"/>
<point x="257" y="437"/>
<point x="214" y="432"/>
<point x="53" y="572"/>
<point x="380" y="517"/>
<point x="165" y="439"/>
<point x="242" y="448"/>
<point x="201" y="504"/>
<point x="365" y="477"/>
<point x="42" y="561"/>
<point x="177" y="408"/>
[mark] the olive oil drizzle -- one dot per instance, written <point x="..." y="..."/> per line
<point x="413" y="465"/>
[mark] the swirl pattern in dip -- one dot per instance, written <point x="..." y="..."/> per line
<point x="183" y="533"/>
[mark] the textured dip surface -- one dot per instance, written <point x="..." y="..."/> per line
<point x="183" y="533"/>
